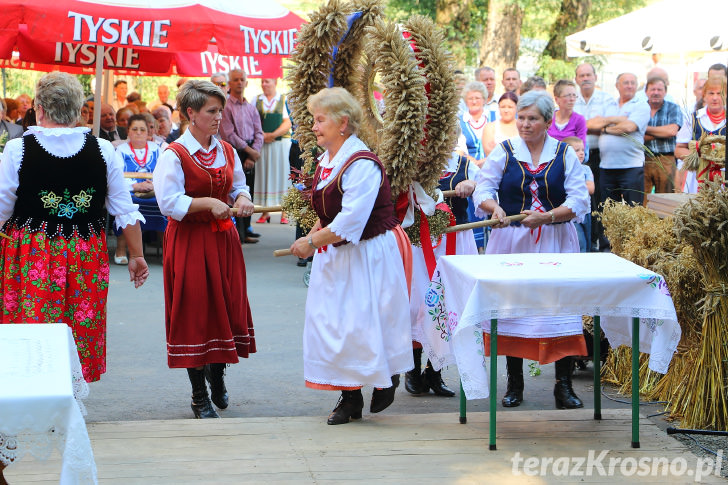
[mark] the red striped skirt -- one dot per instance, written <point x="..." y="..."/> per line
<point x="207" y="314"/>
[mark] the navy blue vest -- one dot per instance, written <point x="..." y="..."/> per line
<point x="458" y="205"/>
<point x="698" y="129"/>
<point x="514" y="192"/>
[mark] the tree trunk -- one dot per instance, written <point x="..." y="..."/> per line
<point x="502" y="37"/>
<point x="572" y="18"/>
<point x="454" y="13"/>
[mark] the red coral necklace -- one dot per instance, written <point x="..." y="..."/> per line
<point x="143" y="162"/>
<point x="205" y="159"/>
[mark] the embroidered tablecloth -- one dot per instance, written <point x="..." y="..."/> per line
<point x="41" y="387"/>
<point x="466" y="292"/>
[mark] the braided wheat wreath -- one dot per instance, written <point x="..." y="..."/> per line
<point x="348" y="45"/>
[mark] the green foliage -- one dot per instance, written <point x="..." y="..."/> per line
<point x="603" y="10"/>
<point x="533" y="369"/>
<point x="462" y="40"/>
<point x="18" y="81"/>
<point x="554" y="69"/>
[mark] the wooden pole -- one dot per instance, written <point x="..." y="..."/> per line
<point x="461" y="227"/>
<point x="258" y="209"/>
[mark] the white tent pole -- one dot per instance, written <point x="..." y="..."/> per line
<point x="97" y="89"/>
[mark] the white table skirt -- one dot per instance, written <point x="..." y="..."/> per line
<point x="41" y="388"/>
<point x="466" y="292"/>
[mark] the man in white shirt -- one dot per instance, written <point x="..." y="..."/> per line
<point x="621" y="145"/>
<point x="486" y="75"/>
<point x="593" y="104"/>
<point x="162" y="99"/>
<point x="511" y="80"/>
<point x="120" y="90"/>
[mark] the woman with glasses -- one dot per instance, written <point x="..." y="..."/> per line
<point x="567" y="123"/>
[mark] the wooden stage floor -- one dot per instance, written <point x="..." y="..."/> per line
<point x="382" y="449"/>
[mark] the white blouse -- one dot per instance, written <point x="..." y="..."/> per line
<point x="490" y="175"/>
<point x="169" y="178"/>
<point x="65" y="142"/>
<point x="360" y="183"/>
<point x="685" y="135"/>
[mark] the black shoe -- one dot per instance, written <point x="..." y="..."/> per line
<point x="201" y="405"/>
<point x="433" y="380"/>
<point x="252" y="234"/>
<point x="349" y="407"/>
<point x="382" y="398"/>
<point x="302" y="262"/>
<point x="514" y="390"/>
<point x="249" y="240"/>
<point x="215" y="375"/>
<point x="564" y="395"/>
<point x="414" y="382"/>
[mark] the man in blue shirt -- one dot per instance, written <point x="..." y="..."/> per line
<point x="665" y="121"/>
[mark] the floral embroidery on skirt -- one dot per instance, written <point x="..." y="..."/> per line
<point x="51" y="279"/>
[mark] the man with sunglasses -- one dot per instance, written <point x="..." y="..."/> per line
<point x="220" y="79"/>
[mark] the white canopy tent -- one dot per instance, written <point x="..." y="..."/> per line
<point x="688" y="36"/>
<point x="669" y="27"/>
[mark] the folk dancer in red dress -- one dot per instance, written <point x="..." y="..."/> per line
<point x="207" y="314"/>
<point x="55" y="183"/>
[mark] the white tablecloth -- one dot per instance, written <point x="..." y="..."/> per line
<point x="466" y="292"/>
<point x="40" y="383"/>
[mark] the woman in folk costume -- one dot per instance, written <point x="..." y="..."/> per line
<point x="137" y="154"/>
<point x="357" y="330"/>
<point x="56" y="183"/>
<point x="541" y="177"/>
<point x="709" y="120"/>
<point x="207" y="314"/>
<point x="271" y="175"/>
<point x="459" y="175"/>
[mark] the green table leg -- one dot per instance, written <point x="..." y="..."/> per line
<point x="493" y="378"/>
<point x="635" y="383"/>
<point x="463" y="405"/>
<point x="597" y="368"/>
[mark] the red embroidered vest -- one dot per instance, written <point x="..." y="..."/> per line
<point x="327" y="201"/>
<point x="205" y="181"/>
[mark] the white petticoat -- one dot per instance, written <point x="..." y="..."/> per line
<point x="357" y="329"/>
<point x="464" y="245"/>
<point x="271" y="173"/>
<point x="554" y="238"/>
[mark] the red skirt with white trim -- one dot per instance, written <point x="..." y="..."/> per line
<point x="207" y="314"/>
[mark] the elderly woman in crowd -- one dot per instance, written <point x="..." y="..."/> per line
<point x="566" y="123"/>
<point x="163" y="115"/>
<point x="541" y="177"/>
<point x="137" y="154"/>
<point x="357" y="330"/>
<point x="503" y="128"/>
<point x="207" y="314"/>
<point x="56" y="183"/>
<point x="473" y="122"/>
